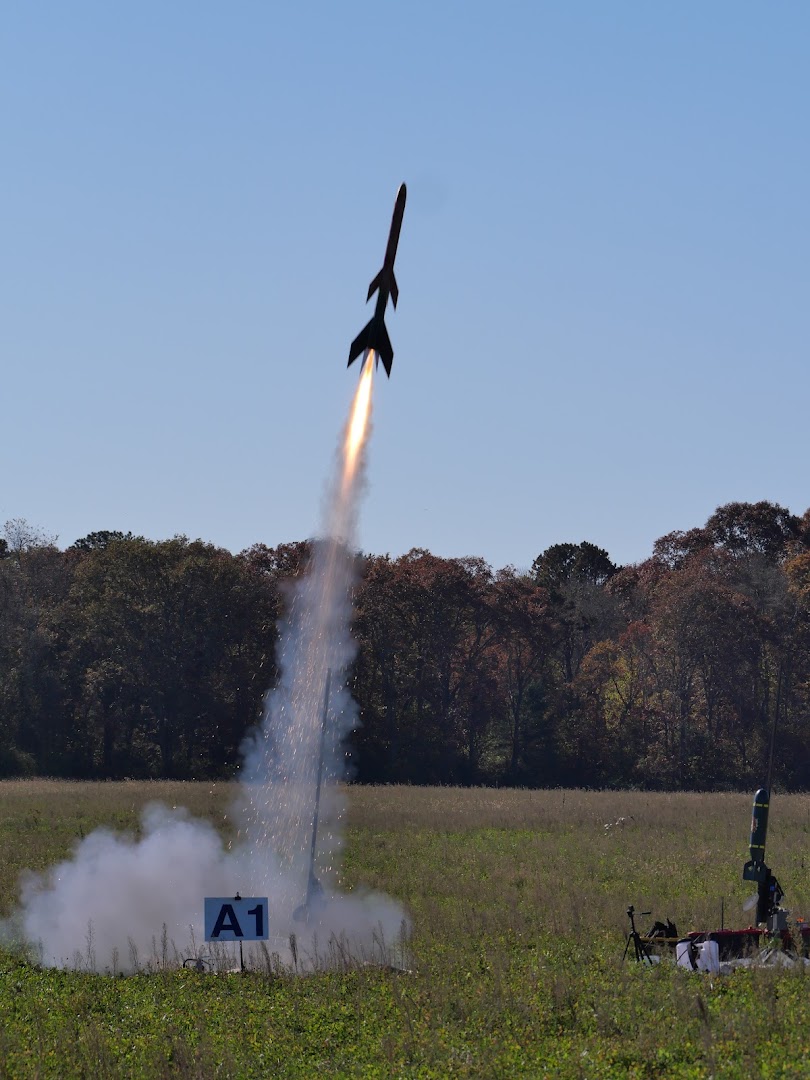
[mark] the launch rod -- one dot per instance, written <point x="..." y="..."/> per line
<point x="324" y="717"/>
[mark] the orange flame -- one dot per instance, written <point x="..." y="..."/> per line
<point x="358" y="420"/>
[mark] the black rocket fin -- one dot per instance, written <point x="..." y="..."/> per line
<point x="376" y="283"/>
<point x="384" y="350"/>
<point x="362" y="342"/>
<point x="394" y="289"/>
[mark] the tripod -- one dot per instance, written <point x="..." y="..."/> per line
<point x="641" y="948"/>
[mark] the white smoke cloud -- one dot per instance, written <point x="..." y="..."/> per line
<point x="121" y="903"/>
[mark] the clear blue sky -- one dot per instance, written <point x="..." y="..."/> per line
<point x="602" y="330"/>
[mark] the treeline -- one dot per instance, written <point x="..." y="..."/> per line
<point x="126" y="657"/>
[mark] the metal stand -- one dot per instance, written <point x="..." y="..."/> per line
<point x="316" y="815"/>
<point x="314" y="887"/>
<point x="641" y="948"/>
<point x="241" y="954"/>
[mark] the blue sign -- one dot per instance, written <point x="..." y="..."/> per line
<point x="238" y="918"/>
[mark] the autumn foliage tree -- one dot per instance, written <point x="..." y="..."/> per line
<point x="126" y="657"/>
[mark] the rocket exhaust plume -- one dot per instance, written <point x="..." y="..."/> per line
<point x="105" y="907"/>
<point x="294" y="743"/>
<point x="357" y="428"/>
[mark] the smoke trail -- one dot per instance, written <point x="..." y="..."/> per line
<point x="281" y="762"/>
<point x="109" y="905"/>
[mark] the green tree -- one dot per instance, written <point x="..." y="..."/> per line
<point x="98" y="541"/>
<point x="523" y="642"/>
<point x="170" y="652"/>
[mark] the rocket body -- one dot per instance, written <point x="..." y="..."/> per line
<point x="755" y="869"/>
<point x="374" y="334"/>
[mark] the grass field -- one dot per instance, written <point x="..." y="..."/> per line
<point x="517" y="901"/>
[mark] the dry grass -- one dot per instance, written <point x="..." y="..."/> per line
<point x="588" y="853"/>
<point x="568" y="851"/>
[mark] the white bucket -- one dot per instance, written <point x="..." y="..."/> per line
<point x="709" y="958"/>
<point x="683" y="954"/>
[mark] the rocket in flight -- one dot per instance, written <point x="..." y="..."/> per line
<point x="374" y="334"/>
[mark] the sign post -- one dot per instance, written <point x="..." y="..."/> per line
<point x="236" y="918"/>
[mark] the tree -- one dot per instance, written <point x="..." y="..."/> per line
<point x="169" y="650"/>
<point x="281" y="563"/>
<point x="98" y="541"/>
<point x="761" y="528"/>
<point x="575" y="576"/>
<point x="522" y="646"/>
<point x="32" y="691"/>
<point x="425" y="627"/>
<point x="564" y="564"/>
<point x="21" y="536"/>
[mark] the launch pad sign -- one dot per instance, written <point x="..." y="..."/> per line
<point x="229" y="918"/>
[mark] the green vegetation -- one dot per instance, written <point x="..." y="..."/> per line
<point x="517" y="900"/>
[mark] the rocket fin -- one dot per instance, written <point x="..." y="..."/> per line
<point x="363" y="341"/>
<point x="384" y="350"/>
<point x="376" y="283"/>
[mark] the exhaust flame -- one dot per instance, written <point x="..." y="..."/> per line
<point x="358" y="419"/>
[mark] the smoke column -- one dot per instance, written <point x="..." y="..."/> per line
<point x="281" y="763"/>
<point x="120" y="903"/>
